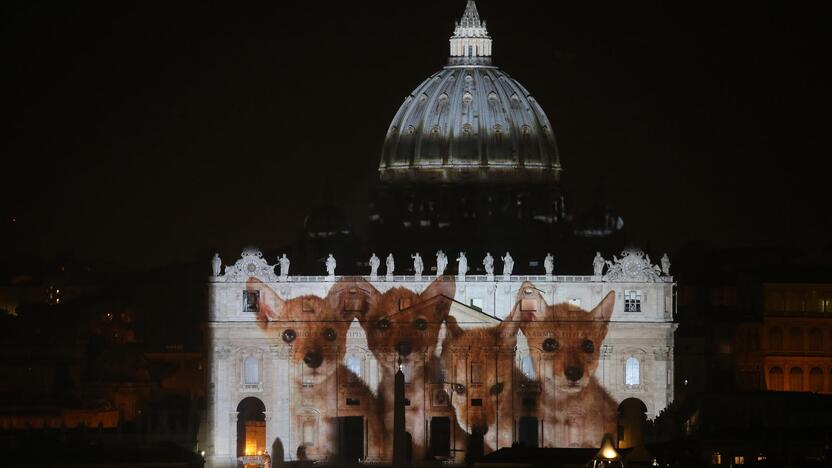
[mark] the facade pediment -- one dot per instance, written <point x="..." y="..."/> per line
<point x="467" y="316"/>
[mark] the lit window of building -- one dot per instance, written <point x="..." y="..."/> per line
<point x="252" y="371"/>
<point x="250" y="300"/>
<point x="527" y="367"/>
<point x="632" y="301"/>
<point x="632" y="372"/>
<point x="354" y="365"/>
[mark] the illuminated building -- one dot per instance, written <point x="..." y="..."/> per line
<point x="790" y="349"/>
<point x="302" y="366"/>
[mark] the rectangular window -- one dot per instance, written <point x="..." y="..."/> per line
<point x="476" y="373"/>
<point x="250" y="301"/>
<point x="353" y="402"/>
<point x="739" y="460"/>
<point x="632" y="301"/>
<point x="252" y="370"/>
<point x="476" y="402"/>
<point x="529" y="402"/>
<point x="405" y="367"/>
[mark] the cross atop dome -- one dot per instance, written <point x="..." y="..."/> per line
<point x="470" y="37"/>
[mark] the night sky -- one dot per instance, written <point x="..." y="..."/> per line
<point x="147" y="132"/>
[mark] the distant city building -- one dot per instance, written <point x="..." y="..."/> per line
<point x="791" y="348"/>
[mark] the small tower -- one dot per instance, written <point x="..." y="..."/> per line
<point x="470" y="37"/>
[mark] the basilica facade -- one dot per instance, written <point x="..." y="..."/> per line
<point x="493" y="350"/>
<point x="303" y="367"/>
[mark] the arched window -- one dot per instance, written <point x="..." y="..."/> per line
<point x="815" y="340"/>
<point x="775" y="379"/>
<point x="795" y="339"/>
<point x="796" y="379"/>
<point x="527" y="367"/>
<point x="775" y="339"/>
<point x="309" y="431"/>
<point x="632" y="372"/>
<point x="816" y="380"/>
<point x="354" y="365"/>
<point x="252" y="371"/>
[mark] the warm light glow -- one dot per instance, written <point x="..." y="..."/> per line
<point x="607" y="451"/>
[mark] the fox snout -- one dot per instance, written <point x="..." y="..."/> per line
<point x="573" y="373"/>
<point x="313" y="359"/>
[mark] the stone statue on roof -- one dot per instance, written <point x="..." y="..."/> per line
<point x="441" y="263"/>
<point x="216" y="265"/>
<point x="508" y="266"/>
<point x="330" y="266"/>
<point x="374" y="264"/>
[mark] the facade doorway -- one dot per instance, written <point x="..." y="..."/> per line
<point x="527" y="431"/>
<point x="631" y="421"/>
<point x="440" y="437"/>
<point x="351" y="438"/>
<point x="251" y="427"/>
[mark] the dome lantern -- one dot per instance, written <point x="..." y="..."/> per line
<point x="470" y="37"/>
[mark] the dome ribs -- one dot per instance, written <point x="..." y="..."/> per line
<point x="470" y="122"/>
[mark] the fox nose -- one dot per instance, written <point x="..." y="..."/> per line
<point x="574" y="373"/>
<point x="313" y="359"/>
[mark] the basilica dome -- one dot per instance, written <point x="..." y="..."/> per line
<point x="470" y="122"/>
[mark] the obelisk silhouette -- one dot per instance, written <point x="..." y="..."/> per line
<point x="399" y="436"/>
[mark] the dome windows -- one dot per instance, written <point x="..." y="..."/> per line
<point x="466" y="129"/>
<point x="492" y="96"/>
<point x="467" y="98"/>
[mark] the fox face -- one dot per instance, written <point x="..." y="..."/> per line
<point x="403" y="320"/>
<point x="312" y="325"/>
<point x="573" y="335"/>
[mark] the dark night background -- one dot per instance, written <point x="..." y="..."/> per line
<point x="147" y="132"/>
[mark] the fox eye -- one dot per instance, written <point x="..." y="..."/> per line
<point x="383" y="324"/>
<point x="289" y="335"/>
<point x="330" y="334"/>
<point x="420" y="324"/>
<point x="550" y="345"/>
<point x="588" y="346"/>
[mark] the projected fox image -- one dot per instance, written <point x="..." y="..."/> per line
<point x="471" y="383"/>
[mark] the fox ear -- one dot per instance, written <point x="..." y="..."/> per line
<point x="603" y="311"/>
<point x="443" y="289"/>
<point x="270" y="306"/>
<point x="442" y="286"/>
